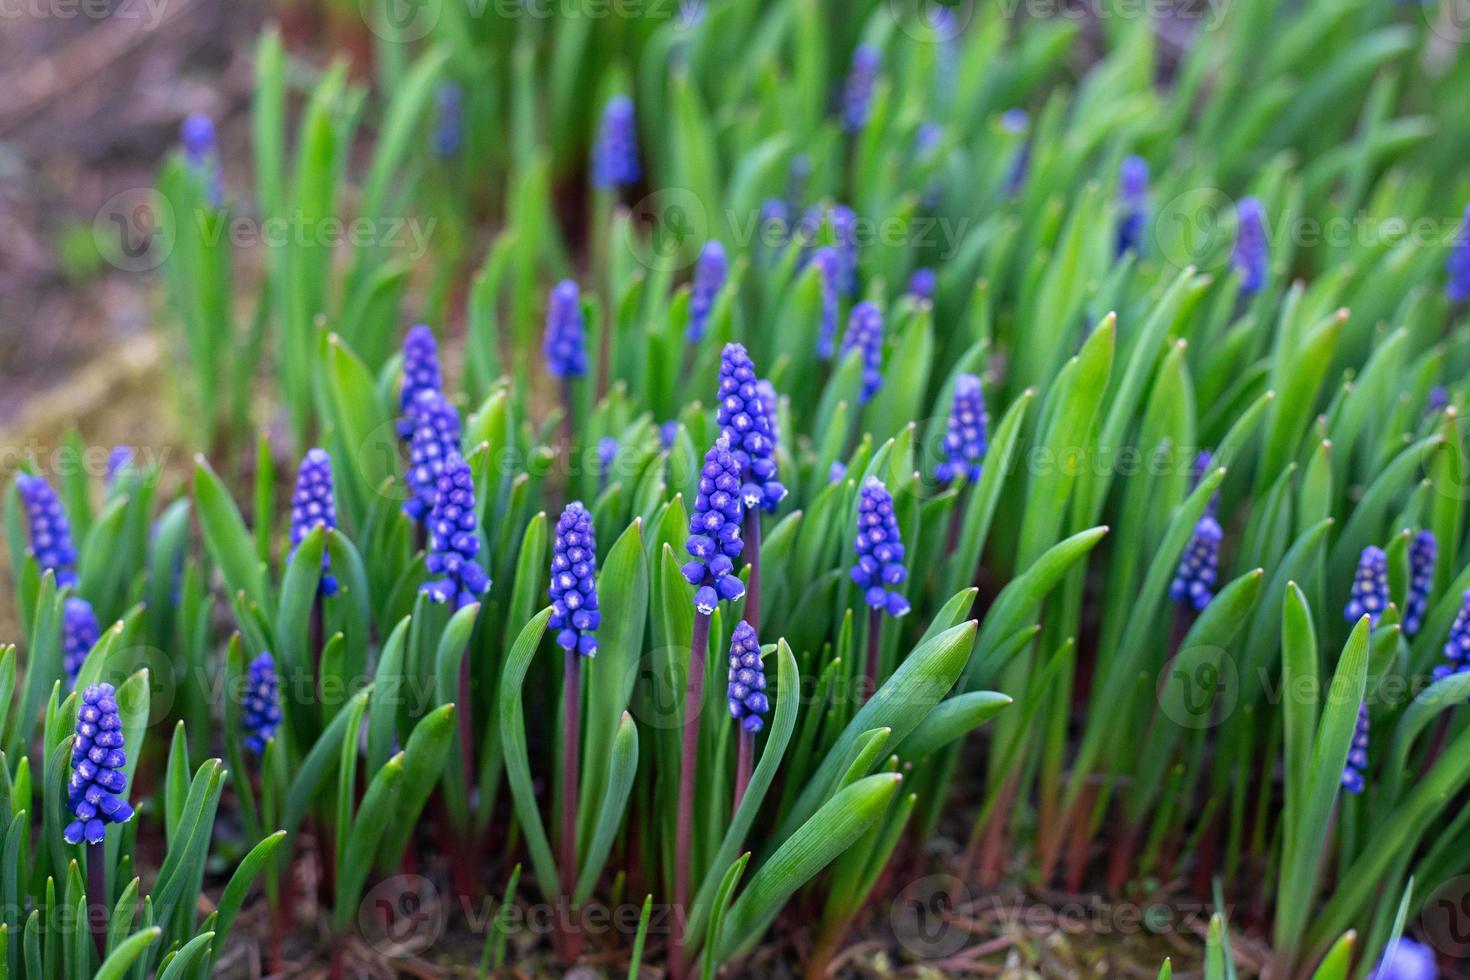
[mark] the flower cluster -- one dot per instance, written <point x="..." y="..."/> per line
<point x="201" y="153"/>
<point x="50" y="530"/>
<point x="453" y="539"/>
<point x="922" y="282"/>
<point x="1252" y="252"/>
<point x="827" y="262"/>
<point x="714" y="530"/>
<point x="449" y="132"/>
<point x="865" y="334"/>
<point x="607" y="454"/>
<point x="710" y="273"/>
<point x="1194" y="580"/>
<point x="858" y="93"/>
<point x="1406" y="960"/>
<point x="573" y="591"/>
<point x="1456" y="648"/>
<point x="965" y="440"/>
<point x="1369" y="594"/>
<point x="565" y="345"/>
<point x="1423" y="551"/>
<point x="1357" y="760"/>
<point x="746" y="423"/>
<point x="260" y="714"/>
<point x="1017" y="121"/>
<point x="747" y="690"/>
<point x="97" y="761"/>
<point x="1457" y="267"/>
<point x="1133" y="199"/>
<point x="119" y="464"/>
<point x="79" y="634"/>
<point x="436" y="436"/>
<point x="879" y="550"/>
<point x="420" y="373"/>
<point x="312" y="506"/>
<point x="615" y="155"/>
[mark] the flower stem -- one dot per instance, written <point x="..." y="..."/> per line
<point x="466" y="728"/>
<point x="744" y="762"/>
<point x="97" y="896"/>
<point x="570" y="765"/>
<point x="688" y="760"/>
<point x="752" y="556"/>
<point x="875" y="632"/>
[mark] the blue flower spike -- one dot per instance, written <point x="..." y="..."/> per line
<point x="420" y="373"/>
<point x="565" y="345"/>
<point x="1354" y="771"/>
<point x="922" y="282"/>
<point x="1133" y="202"/>
<point x="574" y="611"/>
<point x="714" y="530"/>
<point x="1194" y="580"/>
<point x="1423" y="552"/>
<point x="965" y="440"/>
<point x="865" y="334"/>
<point x="1369" y="594"/>
<point x="1408" y="960"/>
<point x="857" y="95"/>
<point x="94" y="792"/>
<point x="260" y="713"/>
<point x="49" y="529"/>
<point x="436" y="436"/>
<point x="828" y="264"/>
<point x="747" y="689"/>
<point x="1456" y="648"/>
<point x="615" y="155"/>
<point x="1251" y="257"/>
<point x="710" y="272"/>
<point x="79" y="634"/>
<point x="449" y="133"/>
<point x="1457" y="267"/>
<point x="312" y="506"/>
<point x="201" y="153"/>
<point x="743" y="414"/>
<point x="453" y="539"/>
<point x="880" y="552"/>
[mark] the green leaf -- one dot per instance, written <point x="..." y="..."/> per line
<point x="517" y="763"/>
<point x="225" y="536"/>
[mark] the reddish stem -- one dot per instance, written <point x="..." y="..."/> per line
<point x="744" y="762"/>
<point x="688" y="760"/>
<point x="875" y="632"/>
<point x="570" y="768"/>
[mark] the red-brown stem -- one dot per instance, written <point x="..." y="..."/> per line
<point x="875" y="632"/>
<point x="956" y="524"/>
<point x="752" y="556"/>
<point x="992" y="861"/>
<point x="570" y="767"/>
<point x="466" y="728"/>
<point x="97" y="896"/>
<point x="688" y="760"/>
<point x="1120" y="859"/>
<point x="1209" y="855"/>
<point x="1077" y="846"/>
<point x="744" y="762"/>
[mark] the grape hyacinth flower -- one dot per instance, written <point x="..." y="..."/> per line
<point x="453" y="541"/>
<point x="1194" y="580"/>
<point x="844" y="227"/>
<point x="436" y="436"/>
<point x="1201" y="465"/>
<point x="312" y="506"/>
<point x="1133" y="198"/>
<point x="607" y="453"/>
<point x="1369" y="595"/>
<point x="827" y="262"/>
<point x="565" y="345"/>
<point x="965" y="441"/>
<point x="837" y="472"/>
<point x="922" y="282"/>
<point x="574" y="612"/>
<point x="97" y="759"/>
<point x="615" y="155"/>
<point x="1016" y="121"/>
<point x="1251" y="256"/>
<point x="1439" y="397"/>
<point x="201" y="153"/>
<point x="865" y="334"/>
<point x="1456" y="648"/>
<point x="1457" y="267"/>
<point x="746" y="691"/>
<point x="260" y="713"/>
<point x="79" y="634"/>
<point x="119" y="464"/>
<point x="714" y="530"/>
<point x="1357" y="760"/>
<point x="420" y="373"/>
<point x="449" y="133"/>
<point x="667" y="433"/>
<point x="710" y="273"/>
<point x="745" y="423"/>
<point x="880" y="551"/>
<point x="1423" y="551"/>
<point x="775" y="227"/>
<point x="49" y="528"/>
<point x="858" y="92"/>
<point x="1406" y="960"/>
<point x="927" y="138"/>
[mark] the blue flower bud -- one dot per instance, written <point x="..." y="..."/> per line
<point x="744" y="421"/>
<point x="710" y="273"/>
<point x="79" y="634"/>
<point x="49" y="528"/>
<point x="880" y="550"/>
<point x="615" y="155"/>
<point x="1194" y="580"/>
<point x="565" y="345"/>
<point x="1357" y="761"/>
<point x="865" y="334"/>
<point x="922" y="282"/>
<point x="827" y="261"/>
<point x="574" y="611"/>
<point x="858" y="92"/>
<point x="449" y="133"/>
<point x="747" y="689"/>
<point x="436" y="436"/>
<point x="420" y="373"/>
<point x="1133" y="201"/>
<point x="1407" y="961"/>
<point x="1423" y="551"/>
<point x="1251" y="258"/>
<point x="312" y="506"/>
<point x="965" y="441"/>
<point x="94" y="792"/>
<point x="1457" y="267"/>
<point x="260" y="713"/>
<point x="714" y="530"/>
<point x="201" y="154"/>
<point x="453" y="539"/>
<point x="1369" y="595"/>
